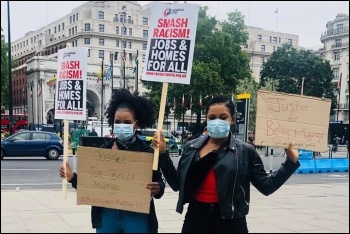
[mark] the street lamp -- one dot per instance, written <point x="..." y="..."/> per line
<point x="31" y="85"/>
<point x="9" y="68"/>
<point x="123" y="12"/>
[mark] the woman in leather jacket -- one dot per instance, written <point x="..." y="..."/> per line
<point x="126" y="112"/>
<point x="214" y="174"/>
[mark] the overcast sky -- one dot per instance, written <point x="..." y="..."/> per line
<point x="306" y="19"/>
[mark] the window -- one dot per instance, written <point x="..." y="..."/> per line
<point x="122" y="18"/>
<point x="38" y="136"/>
<point x="246" y="46"/>
<point x="290" y="41"/>
<point x="337" y="56"/>
<point x="101" y="28"/>
<point x="124" y="44"/>
<point x="70" y="32"/>
<point x="144" y="46"/>
<point x="101" y="42"/>
<point x="259" y="37"/>
<point x="87" y="41"/>
<point x="54" y="29"/>
<point x="124" y="30"/>
<point x="144" y="21"/>
<point x="143" y="58"/>
<point x="101" y="54"/>
<point x="73" y="18"/>
<point x="274" y="48"/>
<point x="270" y="39"/>
<point x="62" y="26"/>
<point x="76" y="16"/>
<point x="87" y="27"/>
<point x="337" y="42"/>
<point x="59" y="28"/>
<point x="101" y="15"/>
<point x="130" y="44"/>
<point x="129" y="19"/>
<point x="262" y="59"/>
<point x="21" y="137"/>
<point x="145" y="33"/>
<point x="340" y="28"/>
<point x="88" y="52"/>
<point x="117" y="30"/>
<point x="130" y="31"/>
<point x="262" y="48"/>
<point x="115" y="19"/>
<point x="130" y="57"/>
<point x="116" y="56"/>
<point x="336" y="73"/>
<point x="73" y="31"/>
<point x="117" y="44"/>
<point x="70" y="19"/>
<point x="274" y="40"/>
<point x="76" y="29"/>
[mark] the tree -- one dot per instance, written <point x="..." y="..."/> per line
<point x="4" y="72"/>
<point x="218" y="65"/>
<point x="289" y="66"/>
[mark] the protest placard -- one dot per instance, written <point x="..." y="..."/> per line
<point x="283" y="118"/>
<point x="114" y="179"/>
<point x="171" y="42"/>
<point x="70" y="101"/>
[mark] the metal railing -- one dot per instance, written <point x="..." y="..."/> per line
<point x="335" y="31"/>
<point x="339" y="45"/>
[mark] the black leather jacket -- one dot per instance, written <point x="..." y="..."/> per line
<point x="236" y="166"/>
<point x="139" y="146"/>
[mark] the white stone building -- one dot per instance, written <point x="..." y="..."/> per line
<point x="336" y="51"/>
<point x="262" y="43"/>
<point x="97" y="25"/>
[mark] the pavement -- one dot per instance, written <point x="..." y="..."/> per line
<point x="296" y="208"/>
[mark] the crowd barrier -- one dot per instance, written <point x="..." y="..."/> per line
<point x="323" y="165"/>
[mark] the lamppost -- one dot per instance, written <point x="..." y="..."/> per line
<point x="31" y="85"/>
<point x="9" y="68"/>
<point x="123" y="12"/>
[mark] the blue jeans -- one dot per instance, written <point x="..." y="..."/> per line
<point x="120" y="221"/>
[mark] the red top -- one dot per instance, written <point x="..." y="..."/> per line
<point x="207" y="192"/>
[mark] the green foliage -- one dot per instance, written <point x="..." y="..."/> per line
<point x="4" y="73"/>
<point x="288" y="66"/>
<point x="218" y="65"/>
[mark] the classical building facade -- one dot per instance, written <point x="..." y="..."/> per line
<point x="262" y="43"/>
<point x="109" y="29"/>
<point x="336" y="50"/>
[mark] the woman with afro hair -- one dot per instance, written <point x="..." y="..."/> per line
<point x="126" y="112"/>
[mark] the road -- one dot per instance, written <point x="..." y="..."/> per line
<point x="40" y="173"/>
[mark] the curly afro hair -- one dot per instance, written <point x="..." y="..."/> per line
<point x="142" y="108"/>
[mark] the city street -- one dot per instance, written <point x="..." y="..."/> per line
<point x="40" y="173"/>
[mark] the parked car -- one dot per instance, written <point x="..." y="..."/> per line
<point x="32" y="143"/>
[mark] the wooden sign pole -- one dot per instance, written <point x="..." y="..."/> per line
<point x="65" y="149"/>
<point x="160" y="123"/>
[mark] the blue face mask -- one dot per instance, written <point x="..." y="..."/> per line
<point x="123" y="131"/>
<point x="218" y="128"/>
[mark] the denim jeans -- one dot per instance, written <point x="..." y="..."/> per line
<point x="120" y="221"/>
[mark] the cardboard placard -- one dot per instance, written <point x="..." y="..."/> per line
<point x="114" y="179"/>
<point x="283" y="118"/>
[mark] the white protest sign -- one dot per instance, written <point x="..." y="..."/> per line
<point x="282" y="118"/>
<point x="70" y="102"/>
<point x="171" y="43"/>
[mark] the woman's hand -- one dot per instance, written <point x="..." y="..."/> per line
<point x="159" y="144"/>
<point x="154" y="187"/>
<point x="292" y="153"/>
<point x="69" y="174"/>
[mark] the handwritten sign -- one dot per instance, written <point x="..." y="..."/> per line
<point x="114" y="179"/>
<point x="283" y="118"/>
